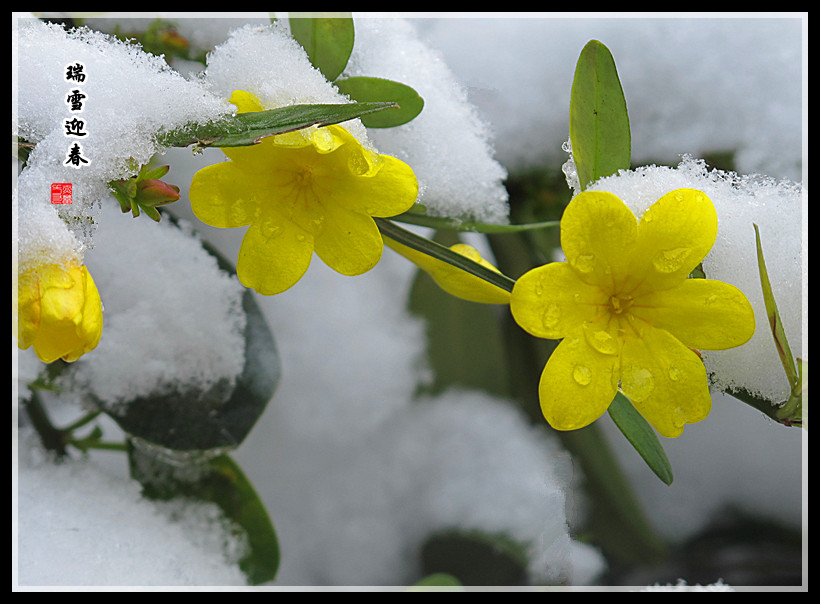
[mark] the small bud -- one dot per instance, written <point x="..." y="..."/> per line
<point x="155" y="193"/>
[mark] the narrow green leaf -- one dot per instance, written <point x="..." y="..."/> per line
<point x="598" y="119"/>
<point x="641" y="436"/>
<point x="363" y="88"/>
<point x="775" y="324"/>
<point x="431" y="248"/>
<point x="246" y="129"/>
<point x="327" y="39"/>
<point x="451" y="224"/>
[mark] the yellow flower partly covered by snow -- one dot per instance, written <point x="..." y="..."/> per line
<point x="627" y="314"/>
<point x="299" y="192"/>
<point x="59" y="312"/>
<point x="455" y="281"/>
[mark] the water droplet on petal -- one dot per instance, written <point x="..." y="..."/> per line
<point x="674" y="373"/>
<point x="551" y="315"/>
<point x="585" y="263"/>
<point x="602" y="341"/>
<point x="582" y="375"/>
<point x="639" y="383"/>
<point x="269" y="229"/>
<point x="668" y="261"/>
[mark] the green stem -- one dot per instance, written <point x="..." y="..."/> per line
<point x="440" y="252"/>
<point x="89" y="417"/>
<point x="469" y="226"/>
<point x="52" y="438"/>
<point x="108" y="446"/>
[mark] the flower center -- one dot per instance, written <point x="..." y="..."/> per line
<point x="302" y="177"/>
<point x="619" y="304"/>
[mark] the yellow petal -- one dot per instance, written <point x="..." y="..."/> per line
<point x="225" y="195"/>
<point x="89" y="328"/>
<point x="245" y="102"/>
<point x="577" y="385"/>
<point x="455" y="281"/>
<point x="551" y="301"/>
<point x="29" y="310"/>
<point x="348" y="242"/>
<point x="674" y="235"/>
<point x="598" y="234"/>
<point x="702" y="313"/>
<point x="665" y="381"/>
<point x="389" y="190"/>
<point x="274" y="254"/>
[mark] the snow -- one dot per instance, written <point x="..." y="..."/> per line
<point x="354" y="470"/>
<point x="130" y="96"/>
<point x="155" y="311"/>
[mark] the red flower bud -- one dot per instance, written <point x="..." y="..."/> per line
<point x="155" y="192"/>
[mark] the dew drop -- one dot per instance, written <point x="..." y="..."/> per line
<point x="585" y="263"/>
<point x="674" y="373"/>
<point x="551" y="315"/>
<point x="602" y="341"/>
<point x="582" y="375"/>
<point x="639" y="383"/>
<point x="668" y="261"/>
<point x="269" y="229"/>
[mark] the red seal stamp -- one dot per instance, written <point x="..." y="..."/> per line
<point x="61" y="192"/>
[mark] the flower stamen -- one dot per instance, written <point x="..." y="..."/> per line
<point x="620" y="303"/>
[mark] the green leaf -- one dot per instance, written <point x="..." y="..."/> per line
<point x="220" y="417"/>
<point x="641" y="436"/>
<point x="234" y="493"/>
<point x="327" y="39"/>
<point x="775" y="324"/>
<point x="216" y="480"/>
<point x="452" y="224"/>
<point x="436" y="250"/>
<point x="246" y="129"/>
<point x="598" y="119"/>
<point x="362" y="88"/>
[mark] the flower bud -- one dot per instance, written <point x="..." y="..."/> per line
<point x="59" y="312"/>
<point x="154" y="192"/>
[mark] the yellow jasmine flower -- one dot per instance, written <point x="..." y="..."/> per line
<point x="455" y="281"/>
<point x="310" y="190"/>
<point x="627" y="315"/>
<point x="59" y="312"/>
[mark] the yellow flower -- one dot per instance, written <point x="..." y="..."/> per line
<point x="59" y="312"/>
<point x="455" y="281"/>
<point x="627" y="315"/>
<point x="304" y="191"/>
